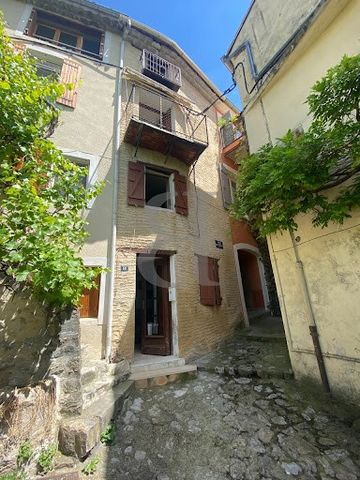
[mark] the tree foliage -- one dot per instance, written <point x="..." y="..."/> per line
<point x="41" y="196"/>
<point x="294" y="176"/>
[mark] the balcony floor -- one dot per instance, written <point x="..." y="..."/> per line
<point x="142" y="134"/>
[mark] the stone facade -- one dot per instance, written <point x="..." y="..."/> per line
<point x="198" y="327"/>
<point x="330" y="256"/>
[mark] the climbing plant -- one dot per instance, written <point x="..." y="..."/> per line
<point x="41" y="195"/>
<point x="281" y="181"/>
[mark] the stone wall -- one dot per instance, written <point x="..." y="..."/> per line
<point x="39" y="371"/>
<point x="29" y="413"/>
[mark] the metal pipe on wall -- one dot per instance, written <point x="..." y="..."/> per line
<point x="117" y="124"/>
<point x="310" y="313"/>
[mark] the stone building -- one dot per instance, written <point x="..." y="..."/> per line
<point x="144" y="118"/>
<point x="280" y="50"/>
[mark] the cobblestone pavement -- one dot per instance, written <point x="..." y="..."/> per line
<point x="224" y="427"/>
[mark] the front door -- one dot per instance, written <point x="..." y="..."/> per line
<point x="153" y="311"/>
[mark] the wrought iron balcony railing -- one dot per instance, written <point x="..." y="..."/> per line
<point x="159" y="123"/>
<point x="161" y="70"/>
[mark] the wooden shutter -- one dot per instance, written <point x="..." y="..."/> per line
<point x="209" y="281"/>
<point x="31" y="25"/>
<point x="214" y="276"/>
<point x="70" y="73"/>
<point x="89" y="302"/>
<point x="225" y="186"/>
<point x="207" y="292"/>
<point x="19" y="47"/>
<point x="136" y="179"/>
<point x="181" y="199"/>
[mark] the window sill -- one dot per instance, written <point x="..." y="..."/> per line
<point x="150" y="207"/>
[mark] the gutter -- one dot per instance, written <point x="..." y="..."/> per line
<point x="311" y="318"/>
<point x="116" y="147"/>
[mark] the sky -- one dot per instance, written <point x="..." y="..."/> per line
<point x="204" y="29"/>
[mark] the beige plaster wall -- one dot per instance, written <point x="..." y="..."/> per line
<point x="199" y="327"/>
<point x="330" y="256"/>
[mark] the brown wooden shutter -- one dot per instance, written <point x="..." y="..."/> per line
<point x="225" y="186"/>
<point x="19" y="47"/>
<point x="181" y="198"/>
<point x="207" y="291"/>
<point x="70" y="73"/>
<point x="31" y="25"/>
<point x="215" y="278"/>
<point x="136" y="180"/>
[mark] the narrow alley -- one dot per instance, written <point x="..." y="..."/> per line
<point x="230" y="424"/>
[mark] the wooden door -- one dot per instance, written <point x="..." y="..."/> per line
<point x="89" y="302"/>
<point x="156" y="311"/>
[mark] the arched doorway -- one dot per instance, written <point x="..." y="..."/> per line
<point x="251" y="278"/>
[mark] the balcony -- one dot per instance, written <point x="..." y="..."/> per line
<point x="159" y="123"/>
<point x="161" y="70"/>
<point x="234" y="141"/>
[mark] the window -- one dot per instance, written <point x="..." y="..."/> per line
<point x="228" y="186"/>
<point x="48" y="69"/>
<point x="209" y="281"/>
<point x="65" y="70"/>
<point x="66" y="33"/>
<point x="155" y="110"/>
<point x="157" y="187"/>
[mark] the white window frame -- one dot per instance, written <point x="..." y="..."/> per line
<point x="98" y="262"/>
<point x="85" y="159"/>
<point x="171" y="179"/>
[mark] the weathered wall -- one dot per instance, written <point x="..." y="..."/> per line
<point x="331" y="256"/>
<point x="28" y="338"/>
<point x="199" y="327"/>
<point x="27" y="413"/>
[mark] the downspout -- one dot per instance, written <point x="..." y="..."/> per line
<point x="310" y="314"/>
<point x="117" y="140"/>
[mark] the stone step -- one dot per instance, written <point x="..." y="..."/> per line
<point x="96" y="371"/>
<point x="79" y="435"/>
<point x="153" y="362"/>
<point x="162" y="376"/>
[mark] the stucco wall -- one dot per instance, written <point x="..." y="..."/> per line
<point x="330" y="256"/>
<point x="199" y="327"/>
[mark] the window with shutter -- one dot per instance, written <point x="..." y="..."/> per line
<point x="136" y="184"/>
<point x="209" y="281"/>
<point x="70" y="74"/>
<point x="226" y="190"/>
<point x="181" y="200"/>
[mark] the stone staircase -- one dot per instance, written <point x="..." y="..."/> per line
<point x="151" y="370"/>
<point x="105" y="388"/>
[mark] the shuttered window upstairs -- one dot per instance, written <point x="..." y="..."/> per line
<point x="228" y="186"/>
<point x="181" y="198"/>
<point x="70" y="75"/>
<point x="136" y="184"/>
<point x="209" y="281"/>
<point x="157" y="187"/>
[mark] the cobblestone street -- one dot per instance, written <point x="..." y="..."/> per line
<point x="225" y="425"/>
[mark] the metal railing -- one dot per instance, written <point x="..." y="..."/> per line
<point x="161" y="67"/>
<point x="230" y="133"/>
<point x="162" y="112"/>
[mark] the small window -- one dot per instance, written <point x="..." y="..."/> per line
<point x="48" y="69"/>
<point x="61" y="31"/>
<point x="158" y="190"/>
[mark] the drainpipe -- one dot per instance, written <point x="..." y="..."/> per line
<point x="310" y="313"/>
<point x="117" y="123"/>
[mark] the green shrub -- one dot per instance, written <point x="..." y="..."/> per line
<point x="90" y="468"/>
<point x="45" y="461"/>
<point x="108" y="435"/>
